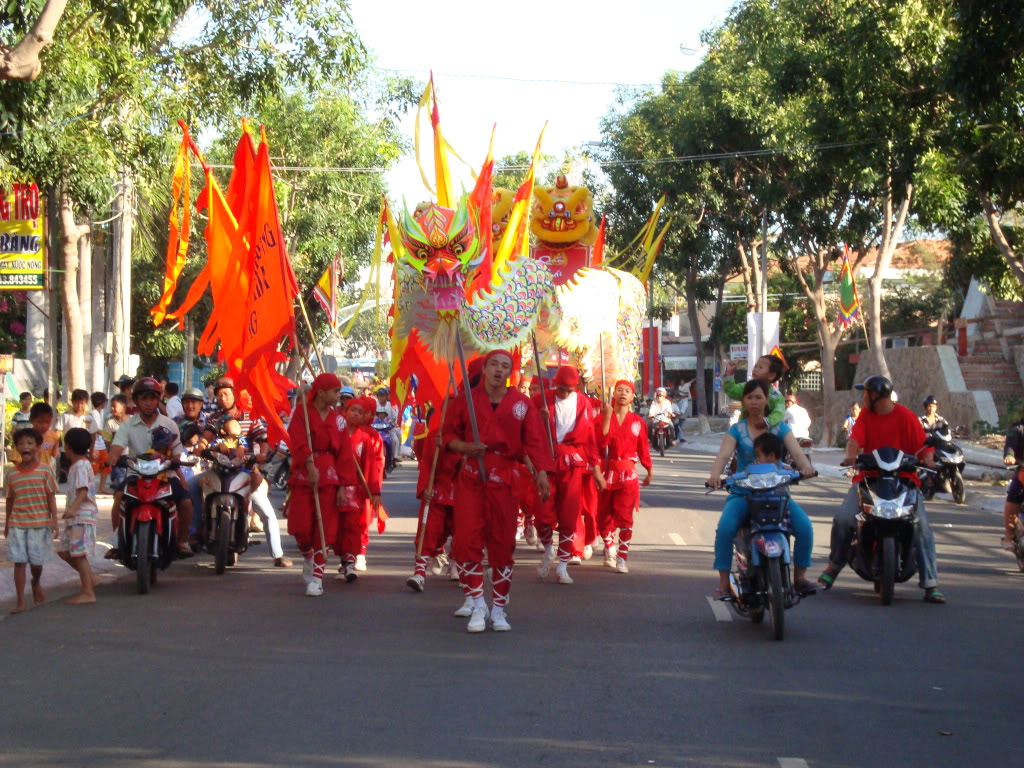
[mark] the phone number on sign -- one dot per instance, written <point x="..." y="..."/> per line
<point x="21" y="281"/>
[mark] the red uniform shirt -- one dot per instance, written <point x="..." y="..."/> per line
<point x="625" y="444"/>
<point x="327" y="445"/>
<point x="899" y="429"/>
<point x="579" y="446"/>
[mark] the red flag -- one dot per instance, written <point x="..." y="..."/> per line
<point x="597" y="251"/>
<point x="180" y="221"/>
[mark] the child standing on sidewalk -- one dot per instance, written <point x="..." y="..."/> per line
<point x="78" y="539"/>
<point x="31" y="521"/>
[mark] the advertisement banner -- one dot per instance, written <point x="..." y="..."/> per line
<point x="563" y="263"/>
<point x="22" y="239"/>
<point x="771" y="333"/>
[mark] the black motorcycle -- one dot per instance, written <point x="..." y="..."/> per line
<point x="279" y="467"/>
<point x="226" y="518"/>
<point x="948" y="475"/>
<point x="883" y="550"/>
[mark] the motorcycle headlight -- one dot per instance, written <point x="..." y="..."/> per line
<point x="149" y="466"/>
<point x="760" y="481"/>
<point x="891" y="509"/>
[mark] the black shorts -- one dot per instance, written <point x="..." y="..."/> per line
<point x="1015" y="491"/>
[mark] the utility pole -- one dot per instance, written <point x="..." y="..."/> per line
<point x="763" y="304"/>
<point x="121" y="276"/>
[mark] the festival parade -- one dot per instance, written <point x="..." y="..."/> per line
<point x="648" y="393"/>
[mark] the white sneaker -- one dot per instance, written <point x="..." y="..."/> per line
<point x="477" y="619"/>
<point x="575" y="560"/>
<point x="350" y="572"/>
<point x="439" y="565"/>
<point x="415" y="582"/>
<point x="545" y="562"/>
<point x="453" y="571"/>
<point x="539" y="546"/>
<point x="562" y="574"/>
<point x="519" y="533"/>
<point x="530" y="535"/>
<point x="499" y="623"/>
<point x="609" y="556"/>
<point x="588" y="552"/>
<point x="315" y="588"/>
<point x="360" y="562"/>
<point x="620" y="565"/>
<point x="466" y="609"/>
<point x="307" y="570"/>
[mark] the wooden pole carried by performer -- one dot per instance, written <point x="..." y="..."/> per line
<point x="544" y="399"/>
<point x="429" y="493"/>
<point x="312" y="338"/>
<point x="316" y="490"/>
<point x="469" y="401"/>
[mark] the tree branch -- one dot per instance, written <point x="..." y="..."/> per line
<point x="22" y="61"/>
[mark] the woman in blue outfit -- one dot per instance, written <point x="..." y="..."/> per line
<point x="740" y="439"/>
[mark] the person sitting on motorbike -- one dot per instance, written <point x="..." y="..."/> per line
<point x="137" y="435"/>
<point x="661" y="412"/>
<point x="769" y="369"/>
<point x="931" y="421"/>
<point x="386" y="411"/>
<point x="229" y="439"/>
<point x="798" y="418"/>
<point x="1013" y="455"/>
<point x="883" y="424"/>
<point x="740" y="439"/>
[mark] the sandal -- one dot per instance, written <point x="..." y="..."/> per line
<point x="807" y="587"/>
<point x="724" y="596"/>
<point x="933" y="595"/>
<point x="827" y="578"/>
<point x="112" y="554"/>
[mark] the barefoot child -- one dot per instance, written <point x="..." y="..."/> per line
<point x="78" y="538"/>
<point x="31" y="520"/>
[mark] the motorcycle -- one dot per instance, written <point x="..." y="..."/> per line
<point x="279" y="467"/>
<point x="663" y="433"/>
<point x="226" y="518"/>
<point x="763" y="580"/>
<point x="383" y="425"/>
<point x="949" y="460"/>
<point x="883" y="549"/>
<point x="146" y="536"/>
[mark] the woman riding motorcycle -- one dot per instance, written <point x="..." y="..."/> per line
<point x="740" y="439"/>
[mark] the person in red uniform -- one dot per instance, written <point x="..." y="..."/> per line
<point x="509" y="430"/>
<point x="586" y="527"/>
<point x="575" y="442"/>
<point x="623" y="443"/>
<point x="363" y="496"/>
<point x="314" y="471"/>
<point x="434" y="486"/>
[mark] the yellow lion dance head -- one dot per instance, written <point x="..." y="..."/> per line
<point x="563" y="215"/>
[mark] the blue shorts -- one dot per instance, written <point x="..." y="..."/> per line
<point x="30" y="545"/>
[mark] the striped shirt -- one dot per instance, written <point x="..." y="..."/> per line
<point x="30" y="491"/>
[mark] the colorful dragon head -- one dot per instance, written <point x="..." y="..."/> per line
<point x="563" y="215"/>
<point x="443" y="245"/>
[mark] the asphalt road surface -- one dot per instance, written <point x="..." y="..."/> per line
<point x="642" y="669"/>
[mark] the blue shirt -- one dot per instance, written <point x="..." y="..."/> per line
<point x="745" y="443"/>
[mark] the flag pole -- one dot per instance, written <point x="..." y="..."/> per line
<point x="312" y="337"/>
<point x="544" y="398"/>
<point x="429" y="493"/>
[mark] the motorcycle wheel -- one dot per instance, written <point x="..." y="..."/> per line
<point x="223" y="551"/>
<point x="776" y="599"/>
<point x="661" y="442"/>
<point x="888" y="582"/>
<point x="928" y="488"/>
<point x="757" y="614"/>
<point x="1019" y="552"/>
<point x="281" y="478"/>
<point x="143" y="563"/>
<point x="956" y="483"/>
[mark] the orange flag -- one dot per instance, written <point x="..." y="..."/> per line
<point x="180" y="221"/>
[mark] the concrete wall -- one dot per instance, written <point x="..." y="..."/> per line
<point x="921" y="371"/>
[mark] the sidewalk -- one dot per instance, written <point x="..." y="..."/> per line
<point x="984" y="466"/>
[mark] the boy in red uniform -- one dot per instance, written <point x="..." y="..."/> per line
<point x="572" y="428"/>
<point x="362" y="470"/>
<point x="508" y="431"/>
<point x="623" y="441"/>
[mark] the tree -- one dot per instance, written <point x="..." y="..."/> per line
<point x="20" y="61"/>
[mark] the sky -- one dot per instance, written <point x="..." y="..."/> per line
<point x="517" y="65"/>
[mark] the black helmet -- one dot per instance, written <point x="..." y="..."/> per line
<point x="147" y="384"/>
<point x="878" y="385"/>
<point x="161" y="438"/>
<point x="930" y="400"/>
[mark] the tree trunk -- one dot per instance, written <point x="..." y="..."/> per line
<point x="699" y="401"/>
<point x="21" y="62"/>
<point x="75" y="353"/>
<point x="892" y="228"/>
<point x="995" y="228"/>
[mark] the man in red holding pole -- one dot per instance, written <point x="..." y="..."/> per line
<point x="507" y="430"/>
<point x="575" y="443"/>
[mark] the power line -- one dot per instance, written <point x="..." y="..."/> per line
<point x="520" y="79"/>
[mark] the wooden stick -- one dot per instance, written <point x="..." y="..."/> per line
<point x="433" y="467"/>
<point x="312" y="337"/>
<point x="604" y="384"/>
<point x="469" y="401"/>
<point x="544" y="396"/>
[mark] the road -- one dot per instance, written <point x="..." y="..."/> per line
<point x="615" y="670"/>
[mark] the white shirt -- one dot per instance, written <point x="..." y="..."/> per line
<point x="565" y="416"/>
<point x="173" y="408"/>
<point x="799" y="421"/>
<point x="662" y="408"/>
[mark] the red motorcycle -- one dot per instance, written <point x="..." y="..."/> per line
<point x="662" y="434"/>
<point x="146" y="537"/>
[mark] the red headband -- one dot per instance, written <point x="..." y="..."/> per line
<point x="495" y="352"/>
<point x="567" y="376"/>
<point x="624" y="383"/>
<point x="325" y="381"/>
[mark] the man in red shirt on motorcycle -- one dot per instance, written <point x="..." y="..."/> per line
<point x="884" y="423"/>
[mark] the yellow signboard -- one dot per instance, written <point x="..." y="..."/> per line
<point x="22" y="239"/>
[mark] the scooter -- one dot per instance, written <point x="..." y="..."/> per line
<point x="226" y="519"/>
<point x="949" y="461"/>
<point x="383" y="425"/>
<point x="146" y="537"/>
<point x="763" y="580"/>
<point x="883" y="549"/>
<point x="279" y="467"/>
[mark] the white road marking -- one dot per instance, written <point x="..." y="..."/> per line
<point x="720" y="609"/>
<point x="791" y="762"/>
<point x="678" y="540"/>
